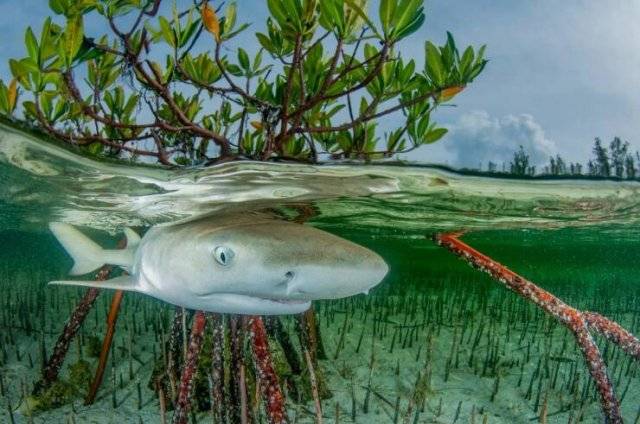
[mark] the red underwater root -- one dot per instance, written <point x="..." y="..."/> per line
<point x="237" y="400"/>
<point x="52" y="366"/>
<point x="613" y="332"/>
<point x="217" y="369"/>
<point x="112" y="318"/>
<point x="274" y="401"/>
<point x="181" y="414"/>
<point x="577" y="321"/>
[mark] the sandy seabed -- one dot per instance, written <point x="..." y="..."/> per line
<point x="438" y="357"/>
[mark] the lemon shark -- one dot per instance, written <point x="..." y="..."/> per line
<point x="229" y="264"/>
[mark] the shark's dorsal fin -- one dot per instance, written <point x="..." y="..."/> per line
<point x="125" y="282"/>
<point x="133" y="239"/>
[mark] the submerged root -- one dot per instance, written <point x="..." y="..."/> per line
<point x="276" y="329"/>
<point x="311" y="340"/>
<point x="270" y="390"/>
<point x="309" y="333"/>
<point x="52" y="366"/>
<point x="216" y="379"/>
<point x="241" y="365"/>
<point x="112" y="318"/>
<point x="238" y="407"/>
<point x="577" y="321"/>
<point x="613" y="332"/>
<point x="183" y="403"/>
<point x="60" y="392"/>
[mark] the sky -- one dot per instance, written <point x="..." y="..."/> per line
<point x="560" y="73"/>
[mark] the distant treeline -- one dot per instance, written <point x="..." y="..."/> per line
<point x="617" y="161"/>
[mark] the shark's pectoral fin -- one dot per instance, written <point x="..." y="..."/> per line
<point x="125" y="282"/>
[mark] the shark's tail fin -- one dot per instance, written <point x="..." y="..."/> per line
<point x="87" y="255"/>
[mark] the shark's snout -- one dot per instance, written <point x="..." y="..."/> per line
<point x="376" y="270"/>
<point x="335" y="279"/>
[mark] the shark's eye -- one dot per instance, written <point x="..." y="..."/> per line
<point x="223" y="255"/>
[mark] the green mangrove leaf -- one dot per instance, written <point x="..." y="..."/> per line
<point x="387" y="12"/>
<point x="434" y="135"/>
<point x="32" y="45"/>
<point x="72" y="38"/>
<point x="434" y="66"/>
<point x="361" y="13"/>
<point x="243" y="59"/>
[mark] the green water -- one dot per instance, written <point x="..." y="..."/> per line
<point x="435" y="330"/>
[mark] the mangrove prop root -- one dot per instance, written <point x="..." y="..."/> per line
<point x="321" y="352"/>
<point x="112" y="318"/>
<point x="613" y="332"/>
<point x="162" y="404"/>
<point x="217" y="369"/>
<point x="237" y="385"/>
<point x="181" y="414"/>
<point x="314" y="386"/>
<point x="578" y="322"/>
<point x="244" y="397"/>
<point x="276" y="329"/>
<point x="52" y="366"/>
<point x="272" y="396"/>
<point x="175" y="349"/>
<point x="307" y="331"/>
<point x="54" y="363"/>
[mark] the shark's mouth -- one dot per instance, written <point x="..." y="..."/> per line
<point x="252" y="305"/>
<point x="285" y="301"/>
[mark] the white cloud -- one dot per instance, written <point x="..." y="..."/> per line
<point x="479" y="138"/>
